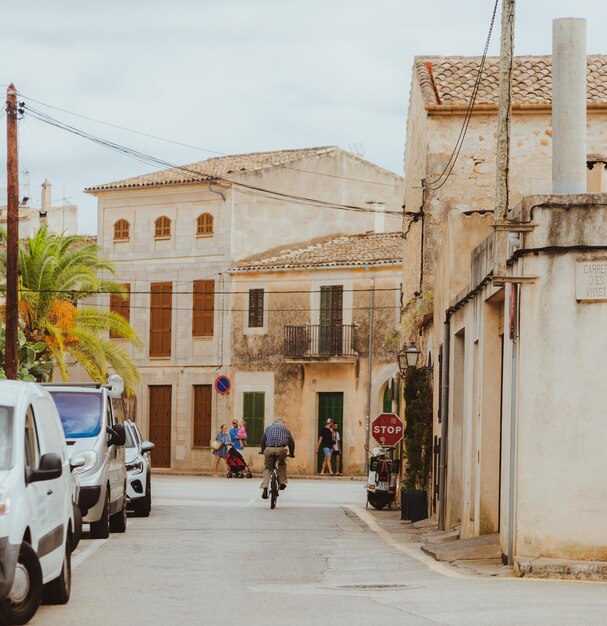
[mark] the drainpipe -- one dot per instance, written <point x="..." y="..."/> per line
<point x="513" y="394"/>
<point x="370" y="366"/>
<point x="444" y="430"/>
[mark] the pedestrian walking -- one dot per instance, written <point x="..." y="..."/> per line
<point x="336" y="449"/>
<point x="325" y="441"/>
<point x="222" y="452"/>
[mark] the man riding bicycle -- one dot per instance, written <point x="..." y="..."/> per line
<point x="274" y="443"/>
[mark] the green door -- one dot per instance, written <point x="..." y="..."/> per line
<point x="330" y="405"/>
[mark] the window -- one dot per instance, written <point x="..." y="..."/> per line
<point x="203" y="308"/>
<point x="162" y="228"/>
<point x="204" y="225"/>
<point x="253" y="413"/>
<point x="32" y="452"/>
<point x="121" y="305"/>
<point x="255" y="308"/>
<point x="161" y="318"/>
<point x="331" y="320"/>
<point x="121" y="230"/>
<point x="202" y="415"/>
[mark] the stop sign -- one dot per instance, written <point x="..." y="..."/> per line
<point x="387" y="429"/>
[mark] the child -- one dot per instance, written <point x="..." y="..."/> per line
<point x="242" y="434"/>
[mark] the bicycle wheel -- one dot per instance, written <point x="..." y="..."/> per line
<point x="273" y="490"/>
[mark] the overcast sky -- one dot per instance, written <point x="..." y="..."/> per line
<point x="235" y="76"/>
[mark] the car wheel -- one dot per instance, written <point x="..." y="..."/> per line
<point x="58" y="590"/>
<point x="143" y="506"/>
<point x="77" y="535"/>
<point x="25" y="595"/>
<point x="101" y="529"/>
<point x="118" y="520"/>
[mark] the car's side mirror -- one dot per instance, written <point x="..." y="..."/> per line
<point x="78" y="461"/>
<point x="116" y="435"/>
<point x="51" y="467"/>
<point x="146" y="446"/>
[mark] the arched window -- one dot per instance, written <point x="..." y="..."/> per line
<point x="162" y="227"/>
<point x="204" y="224"/>
<point x="121" y="230"/>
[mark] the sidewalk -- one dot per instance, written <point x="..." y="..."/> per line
<point x="479" y="556"/>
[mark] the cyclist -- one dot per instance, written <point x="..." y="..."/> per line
<point x="275" y="443"/>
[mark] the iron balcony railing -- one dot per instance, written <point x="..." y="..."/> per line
<point x="319" y="341"/>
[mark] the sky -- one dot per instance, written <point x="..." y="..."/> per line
<point x="234" y="76"/>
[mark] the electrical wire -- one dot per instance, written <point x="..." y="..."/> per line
<point x="207" y="178"/>
<point x="448" y="169"/>
<point x="248" y="157"/>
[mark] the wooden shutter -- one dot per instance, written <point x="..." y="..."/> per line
<point x="160" y="423"/>
<point x="121" y="230"/>
<point x="122" y="306"/>
<point x="161" y="318"/>
<point x="162" y="227"/>
<point x="202" y="415"/>
<point x="203" y="308"/>
<point x="253" y="412"/>
<point x="204" y="224"/>
<point x="256" y="308"/>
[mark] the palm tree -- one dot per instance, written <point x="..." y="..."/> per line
<point x="57" y="273"/>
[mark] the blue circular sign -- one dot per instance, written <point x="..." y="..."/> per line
<point x="223" y="385"/>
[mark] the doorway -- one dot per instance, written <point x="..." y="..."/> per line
<point x="330" y="405"/>
<point x="160" y="397"/>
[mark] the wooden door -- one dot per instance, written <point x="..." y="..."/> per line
<point x="330" y="405"/>
<point x="160" y="423"/>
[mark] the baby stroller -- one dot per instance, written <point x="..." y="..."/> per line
<point x="236" y="464"/>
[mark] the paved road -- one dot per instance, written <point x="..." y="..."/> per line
<point x="213" y="552"/>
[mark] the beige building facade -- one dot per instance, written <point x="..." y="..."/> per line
<point x="306" y="352"/>
<point x="508" y="402"/>
<point x="173" y="235"/>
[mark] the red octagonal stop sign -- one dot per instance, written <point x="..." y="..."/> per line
<point x="387" y="429"/>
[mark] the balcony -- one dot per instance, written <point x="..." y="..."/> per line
<point x="320" y="342"/>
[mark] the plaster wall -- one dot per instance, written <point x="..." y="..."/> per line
<point x="296" y="384"/>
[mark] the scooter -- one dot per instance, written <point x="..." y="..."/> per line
<point x="383" y="475"/>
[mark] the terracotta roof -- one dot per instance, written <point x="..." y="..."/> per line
<point x="217" y="167"/>
<point x="332" y="251"/>
<point x="449" y="81"/>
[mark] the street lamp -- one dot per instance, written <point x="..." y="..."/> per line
<point x="407" y="358"/>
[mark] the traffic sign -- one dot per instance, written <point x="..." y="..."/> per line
<point x="223" y="385"/>
<point x="387" y="429"/>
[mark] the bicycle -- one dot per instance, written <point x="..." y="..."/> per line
<point x="274" y="487"/>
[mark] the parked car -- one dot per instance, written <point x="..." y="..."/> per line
<point x="138" y="467"/>
<point x="95" y="439"/>
<point x="36" y="503"/>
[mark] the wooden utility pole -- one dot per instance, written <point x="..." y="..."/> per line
<point x="12" y="235"/>
<point x="503" y="134"/>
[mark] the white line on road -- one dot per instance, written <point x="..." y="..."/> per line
<point x="416" y="554"/>
<point x="90" y="549"/>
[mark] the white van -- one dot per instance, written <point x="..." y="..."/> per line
<point x="95" y="438"/>
<point x="36" y="512"/>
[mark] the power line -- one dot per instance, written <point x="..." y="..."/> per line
<point x="446" y="173"/>
<point x="207" y="178"/>
<point x="248" y="157"/>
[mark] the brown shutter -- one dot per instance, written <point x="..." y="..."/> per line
<point x="160" y="423"/>
<point x="122" y="306"/>
<point x="202" y="415"/>
<point x="203" y="308"/>
<point x="161" y="318"/>
<point x="337" y="304"/>
<point x="255" y="308"/>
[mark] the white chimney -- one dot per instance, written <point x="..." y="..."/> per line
<point x="380" y="218"/>
<point x="569" y="105"/>
<point x="45" y="203"/>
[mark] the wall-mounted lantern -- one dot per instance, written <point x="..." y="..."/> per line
<point x="407" y="358"/>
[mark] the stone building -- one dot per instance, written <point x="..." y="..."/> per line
<point x="508" y="404"/>
<point x="305" y="320"/>
<point x="174" y="234"/>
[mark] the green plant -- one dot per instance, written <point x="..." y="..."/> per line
<point x="416" y="313"/>
<point x="32" y="364"/>
<point x="418" y="428"/>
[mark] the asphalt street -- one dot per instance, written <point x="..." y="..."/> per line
<point x="213" y="552"/>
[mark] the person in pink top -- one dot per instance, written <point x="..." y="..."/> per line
<point x="242" y="434"/>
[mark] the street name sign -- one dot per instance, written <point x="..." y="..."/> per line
<point x="591" y="281"/>
<point x="387" y="429"/>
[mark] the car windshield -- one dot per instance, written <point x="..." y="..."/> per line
<point x="80" y="413"/>
<point x="6" y="437"/>
<point x="130" y="442"/>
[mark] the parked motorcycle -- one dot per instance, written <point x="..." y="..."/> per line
<point x="383" y="477"/>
